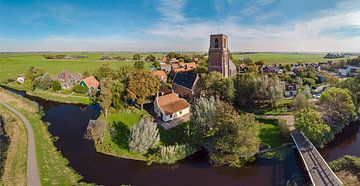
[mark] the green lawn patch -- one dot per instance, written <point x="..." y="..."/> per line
<point x="59" y="97"/>
<point x="270" y="133"/>
<point x="176" y="135"/>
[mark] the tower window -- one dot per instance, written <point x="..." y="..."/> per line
<point x="224" y="43"/>
<point x="216" y="43"/>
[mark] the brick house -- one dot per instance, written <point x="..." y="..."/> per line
<point x="185" y="84"/>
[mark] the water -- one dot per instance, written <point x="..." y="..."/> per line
<point x="69" y="122"/>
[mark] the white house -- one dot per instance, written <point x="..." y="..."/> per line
<point x="344" y="71"/>
<point x="290" y="90"/>
<point x="170" y="107"/>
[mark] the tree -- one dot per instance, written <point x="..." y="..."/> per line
<point x="202" y="120"/>
<point x="118" y="91"/>
<point x="216" y="85"/>
<point x="139" y="65"/>
<point x="338" y="108"/>
<point x="33" y="73"/>
<point x="353" y="85"/>
<point x="141" y="85"/>
<point x="237" y="139"/>
<point x="123" y="72"/>
<point x="288" y="67"/>
<point x="245" y="86"/>
<point x="309" y="81"/>
<point x="301" y="101"/>
<point x="136" y="57"/>
<point x="309" y="122"/>
<point x="156" y="64"/>
<point x="43" y="82"/>
<point x="56" y="85"/>
<point x="143" y="136"/>
<point x="104" y="71"/>
<point x="269" y="88"/>
<point x="86" y="73"/>
<point x="105" y="97"/>
<point x="151" y="58"/>
<point x="96" y="130"/>
<point x="80" y="89"/>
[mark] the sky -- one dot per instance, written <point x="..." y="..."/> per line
<point x="179" y="25"/>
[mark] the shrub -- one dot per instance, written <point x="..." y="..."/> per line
<point x="143" y="136"/>
<point x="284" y="128"/>
<point x="56" y="85"/>
<point x="43" y="82"/>
<point x="80" y="89"/>
<point x="96" y="130"/>
<point x="172" y="153"/>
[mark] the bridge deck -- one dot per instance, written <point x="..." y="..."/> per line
<point x="317" y="168"/>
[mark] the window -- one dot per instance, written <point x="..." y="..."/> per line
<point x="180" y="112"/>
<point x="216" y="43"/>
<point x="224" y="43"/>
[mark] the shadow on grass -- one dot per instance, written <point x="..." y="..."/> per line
<point x="120" y="134"/>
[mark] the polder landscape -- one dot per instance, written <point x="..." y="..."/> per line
<point x="162" y="92"/>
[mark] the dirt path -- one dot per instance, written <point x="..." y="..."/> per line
<point x="33" y="178"/>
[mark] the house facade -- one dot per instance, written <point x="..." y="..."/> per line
<point x="67" y="79"/>
<point x="170" y="107"/>
<point x="91" y="83"/>
<point x="161" y="75"/>
<point x="185" y="84"/>
<point x="290" y="90"/>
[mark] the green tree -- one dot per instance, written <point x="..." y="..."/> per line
<point x="288" y="67"/>
<point x="218" y="86"/>
<point x="156" y="64"/>
<point x="80" y="89"/>
<point x="338" y="108"/>
<point x="269" y="88"/>
<point x="353" y="85"/>
<point x="33" y="73"/>
<point x="308" y="121"/>
<point x="301" y="101"/>
<point x="151" y="58"/>
<point x="141" y="85"/>
<point x="139" y="65"/>
<point x="309" y="81"/>
<point x="105" y="97"/>
<point x="245" y="86"/>
<point x="118" y="90"/>
<point x="237" y="139"/>
<point x="203" y="112"/>
<point x="136" y="57"/>
<point x="56" y="85"/>
<point x="123" y="72"/>
<point x="43" y="82"/>
<point x="143" y="136"/>
<point x="104" y="71"/>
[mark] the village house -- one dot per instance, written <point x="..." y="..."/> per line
<point x="67" y="79"/>
<point x="185" y="84"/>
<point x="170" y="107"/>
<point x="159" y="74"/>
<point x="91" y="83"/>
<point x="290" y="90"/>
<point x="165" y="67"/>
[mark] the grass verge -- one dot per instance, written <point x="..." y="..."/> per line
<point x="270" y="133"/>
<point x="63" y="98"/>
<point x="52" y="166"/>
<point x="16" y="158"/>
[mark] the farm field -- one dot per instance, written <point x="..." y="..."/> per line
<point x="285" y="58"/>
<point x="14" y="64"/>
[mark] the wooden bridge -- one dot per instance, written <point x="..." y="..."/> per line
<point x="319" y="171"/>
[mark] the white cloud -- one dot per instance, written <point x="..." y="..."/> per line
<point x="172" y="10"/>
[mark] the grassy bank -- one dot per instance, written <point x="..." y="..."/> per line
<point x="59" y="97"/>
<point x="285" y="58"/>
<point x="347" y="169"/>
<point x="115" y="139"/>
<point x="52" y="166"/>
<point x="16" y="158"/>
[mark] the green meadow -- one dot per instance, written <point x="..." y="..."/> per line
<point x="285" y="58"/>
<point x="15" y="64"/>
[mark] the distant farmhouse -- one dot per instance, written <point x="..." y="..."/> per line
<point x="219" y="53"/>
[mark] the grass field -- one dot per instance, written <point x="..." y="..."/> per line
<point x="284" y="58"/>
<point x="52" y="165"/>
<point x="12" y="65"/>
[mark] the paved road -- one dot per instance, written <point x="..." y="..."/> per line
<point x="32" y="173"/>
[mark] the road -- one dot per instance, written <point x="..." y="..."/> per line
<point x="32" y="172"/>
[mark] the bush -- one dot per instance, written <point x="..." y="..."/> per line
<point x="80" y="89"/>
<point x="284" y="128"/>
<point x="96" y="130"/>
<point x="56" y="85"/>
<point x="43" y="82"/>
<point x="172" y="153"/>
<point x="143" y="136"/>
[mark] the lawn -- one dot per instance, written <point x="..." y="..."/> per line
<point x="63" y="98"/>
<point x="270" y="133"/>
<point x="52" y="165"/>
<point x="115" y="140"/>
<point x="284" y="58"/>
<point x="14" y="64"/>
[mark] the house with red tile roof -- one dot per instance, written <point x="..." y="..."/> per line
<point x="161" y="75"/>
<point x="190" y="66"/>
<point x="90" y="82"/>
<point x="170" y="107"/>
<point x="165" y="67"/>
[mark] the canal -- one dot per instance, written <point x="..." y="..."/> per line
<point x="69" y="122"/>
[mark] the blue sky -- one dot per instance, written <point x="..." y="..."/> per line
<point x="181" y="25"/>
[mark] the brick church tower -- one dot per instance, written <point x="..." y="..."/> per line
<point x="219" y="59"/>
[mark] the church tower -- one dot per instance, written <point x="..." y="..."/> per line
<point x="219" y="59"/>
